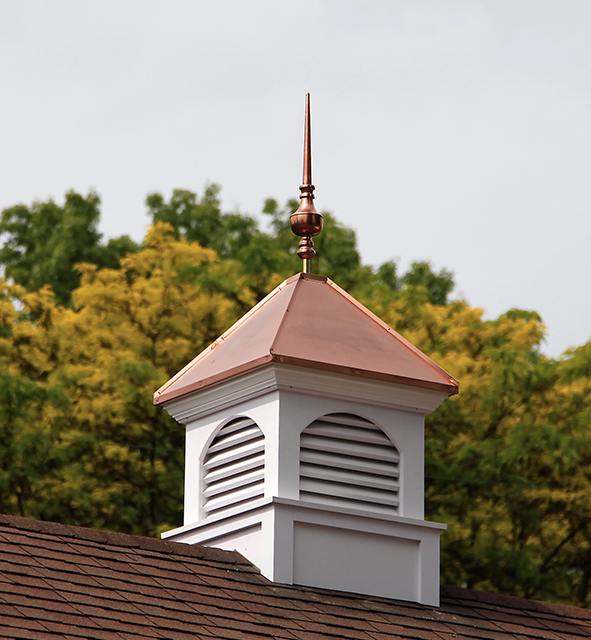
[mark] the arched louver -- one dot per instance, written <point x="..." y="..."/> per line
<point x="234" y="467"/>
<point x="347" y="461"/>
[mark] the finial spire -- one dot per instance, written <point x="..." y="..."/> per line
<point x="306" y="222"/>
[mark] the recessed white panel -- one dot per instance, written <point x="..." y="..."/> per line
<point x="360" y="562"/>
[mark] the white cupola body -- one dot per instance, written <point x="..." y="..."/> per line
<point x="305" y="445"/>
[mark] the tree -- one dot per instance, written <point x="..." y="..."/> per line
<point x="115" y="460"/>
<point x="439" y="285"/>
<point x="337" y="254"/>
<point x="508" y="460"/>
<point x="44" y="242"/>
<point x="130" y="330"/>
<point x="268" y="257"/>
<point x="32" y="407"/>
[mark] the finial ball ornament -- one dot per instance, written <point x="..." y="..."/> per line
<point x="306" y="221"/>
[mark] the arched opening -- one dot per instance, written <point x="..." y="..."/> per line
<point x="347" y="461"/>
<point x="234" y="467"/>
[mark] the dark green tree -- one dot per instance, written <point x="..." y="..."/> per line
<point x="201" y="220"/>
<point x="43" y="243"/>
<point x="268" y="255"/>
<point x="439" y="285"/>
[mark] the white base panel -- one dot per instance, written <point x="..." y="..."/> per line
<point x="295" y="542"/>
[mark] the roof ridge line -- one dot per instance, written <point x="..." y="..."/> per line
<point x="71" y="533"/>
<point x="300" y="277"/>
<point x="162" y="390"/>
<point x="442" y="372"/>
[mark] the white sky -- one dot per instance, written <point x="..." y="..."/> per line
<point x="453" y="131"/>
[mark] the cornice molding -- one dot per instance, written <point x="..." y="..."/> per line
<point x="276" y="377"/>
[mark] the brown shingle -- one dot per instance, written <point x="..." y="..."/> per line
<point x="397" y="631"/>
<point x="72" y="583"/>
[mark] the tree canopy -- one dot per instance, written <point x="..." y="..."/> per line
<point x="44" y="242"/>
<point x="89" y="330"/>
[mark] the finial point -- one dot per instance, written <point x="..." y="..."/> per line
<point x="306" y="222"/>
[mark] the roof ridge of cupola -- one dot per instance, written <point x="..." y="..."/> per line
<point x="296" y="278"/>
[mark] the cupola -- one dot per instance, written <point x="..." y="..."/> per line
<point x="305" y="438"/>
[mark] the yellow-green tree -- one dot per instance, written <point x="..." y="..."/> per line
<point x="33" y="408"/>
<point x="120" y="462"/>
<point x="508" y="460"/>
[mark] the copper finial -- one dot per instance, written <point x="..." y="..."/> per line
<point x="306" y="221"/>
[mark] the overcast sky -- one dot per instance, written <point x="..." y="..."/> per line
<point x="452" y="131"/>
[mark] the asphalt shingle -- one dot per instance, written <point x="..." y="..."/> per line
<point x="70" y="583"/>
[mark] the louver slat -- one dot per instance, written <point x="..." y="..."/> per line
<point x="234" y="467"/>
<point x="354" y="421"/>
<point x="355" y="464"/>
<point x="230" y="500"/>
<point x="347" y="477"/>
<point x="348" y="462"/>
<point x="370" y="436"/>
<point x="234" y="483"/>
<point x="229" y="441"/>
<point x="343" y="447"/>
<point x="355" y="493"/>
<point x="237" y="453"/>
<point x="346" y="503"/>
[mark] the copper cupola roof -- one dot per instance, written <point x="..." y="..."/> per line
<point x="308" y="321"/>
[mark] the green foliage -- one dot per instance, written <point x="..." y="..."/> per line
<point x="202" y="221"/>
<point x="28" y="455"/>
<point x="439" y="285"/>
<point x="33" y="408"/>
<point x="44" y="242"/>
<point x="81" y="441"/>
<point x="508" y="460"/>
<point x="268" y="257"/>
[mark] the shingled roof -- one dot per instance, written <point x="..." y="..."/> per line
<point x="59" y="581"/>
